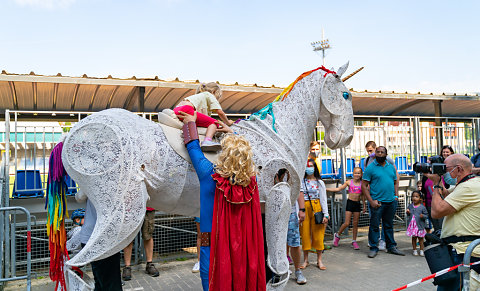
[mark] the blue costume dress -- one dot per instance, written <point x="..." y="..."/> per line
<point x="204" y="169"/>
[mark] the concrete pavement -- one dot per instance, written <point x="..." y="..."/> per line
<point x="347" y="269"/>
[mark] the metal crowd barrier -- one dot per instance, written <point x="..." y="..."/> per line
<point x="465" y="269"/>
<point x="8" y="239"/>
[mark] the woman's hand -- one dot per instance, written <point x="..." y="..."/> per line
<point x="301" y="216"/>
<point x="230" y="122"/>
<point x="187" y="117"/>
<point x="408" y="211"/>
<point x="421" y="216"/>
<point x="325" y="220"/>
<point x="224" y="128"/>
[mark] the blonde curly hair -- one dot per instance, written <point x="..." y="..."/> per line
<point x="235" y="161"/>
<point x="211" y="87"/>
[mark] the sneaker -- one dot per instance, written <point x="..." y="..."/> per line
<point x="300" y="278"/>
<point x="382" y="246"/>
<point x="196" y="267"/>
<point x="395" y="251"/>
<point x="151" y="270"/>
<point x="127" y="274"/>
<point x="355" y="245"/>
<point x="415" y="252"/>
<point x="290" y="262"/>
<point x="210" y="146"/>
<point x="336" y="239"/>
<point x="372" y="254"/>
<point x="421" y="253"/>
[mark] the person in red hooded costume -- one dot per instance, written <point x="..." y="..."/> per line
<point x="236" y="240"/>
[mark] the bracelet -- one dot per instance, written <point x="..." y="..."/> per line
<point x="327" y="216"/>
<point x="437" y="187"/>
<point x="301" y="209"/>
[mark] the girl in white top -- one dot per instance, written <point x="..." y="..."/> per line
<point x="205" y="102"/>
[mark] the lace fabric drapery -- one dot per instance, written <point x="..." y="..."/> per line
<point x="120" y="160"/>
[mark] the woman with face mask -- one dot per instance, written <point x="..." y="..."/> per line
<point x="315" y="195"/>
<point x="427" y="189"/>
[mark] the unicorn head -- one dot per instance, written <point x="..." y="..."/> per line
<point x="336" y="112"/>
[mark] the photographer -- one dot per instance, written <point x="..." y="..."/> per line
<point x="461" y="210"/>
<point x="427" y="185"/>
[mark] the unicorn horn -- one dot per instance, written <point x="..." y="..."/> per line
<point x="352" y="74"/>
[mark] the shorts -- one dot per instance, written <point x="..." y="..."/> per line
<point x="353" y="206"/>
<point x="148" y="225"/>
<point x="293" y="234"/>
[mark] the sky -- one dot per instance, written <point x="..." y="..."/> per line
<point x="415" y="46"/>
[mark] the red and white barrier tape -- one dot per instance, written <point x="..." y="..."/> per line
<point x="434" y="275"/>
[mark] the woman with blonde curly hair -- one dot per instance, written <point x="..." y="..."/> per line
<point x="231" y="252"/>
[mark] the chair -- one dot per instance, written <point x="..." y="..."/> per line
<point x="328" y="170"/>
<point x="402" y="166"/>
<point x="362" y="164"/>
<point x="28" y="184"/>
<point x="423" y="159"/>
<point x="71" y="186"/>
<point x="350" y="167"/>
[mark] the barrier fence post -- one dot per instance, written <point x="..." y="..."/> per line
<point x="6" y="197"/>
<point x="465" y="269"/>
<point x="476" y="124"/>
<point x="416" y="143"/>
<point x="28" y="276"/>
<point x="343" y="166"/>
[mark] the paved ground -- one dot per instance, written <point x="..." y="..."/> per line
<point x="347" y="269"/>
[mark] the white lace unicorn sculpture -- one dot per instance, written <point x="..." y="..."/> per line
<point x="121" y="160"/>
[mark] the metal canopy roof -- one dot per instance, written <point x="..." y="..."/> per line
<point x="58" y="93"/>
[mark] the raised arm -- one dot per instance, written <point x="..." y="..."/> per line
<point x="202" y="165"/>
<point x="345" y="185"/>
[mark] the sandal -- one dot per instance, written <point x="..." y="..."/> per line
<point x="304" y="265"/>
<point x="323" y="268"/>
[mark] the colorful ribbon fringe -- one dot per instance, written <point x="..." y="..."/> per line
<point x="56" y="205"/>
<point x="268" y="110"/>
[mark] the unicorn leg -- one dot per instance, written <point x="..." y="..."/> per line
<point x="277" y="213"/>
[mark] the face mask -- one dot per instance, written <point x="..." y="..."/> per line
<point x="316" y="153"/>
<point x="381" y="160"/>
<point x="310" y="170"/>
<point x="447" y="177"/>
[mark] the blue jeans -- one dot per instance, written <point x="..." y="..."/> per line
<point x="385" y="213"/>
<point x="395" y="204"/>
<point x="457" y="284"/>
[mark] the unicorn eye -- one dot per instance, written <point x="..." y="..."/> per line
<point x="346" y="95"/>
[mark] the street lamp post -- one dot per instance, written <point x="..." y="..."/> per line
<point x="321" y="45"/>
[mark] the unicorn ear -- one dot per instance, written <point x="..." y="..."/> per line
<point x="342" y="69"/>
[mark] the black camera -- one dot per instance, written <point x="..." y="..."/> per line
<point x="436" y="166"/>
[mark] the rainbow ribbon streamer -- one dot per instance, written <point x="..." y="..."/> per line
<point x="56" y="205"/>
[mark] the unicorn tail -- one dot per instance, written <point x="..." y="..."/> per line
<point x="56" y="205"/>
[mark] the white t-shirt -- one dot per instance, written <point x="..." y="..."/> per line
<point x="204" y="102"/>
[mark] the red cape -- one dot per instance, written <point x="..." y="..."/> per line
<point x="237" y="260"/>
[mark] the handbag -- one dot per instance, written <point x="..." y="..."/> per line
<point x="317" y="215"/>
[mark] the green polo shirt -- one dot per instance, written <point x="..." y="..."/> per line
<point x="382" y="181"/>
